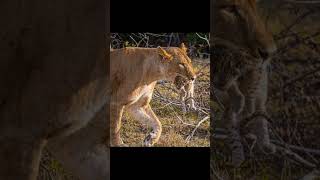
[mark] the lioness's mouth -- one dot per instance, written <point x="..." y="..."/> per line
<point x="221" y="85"/>
<point x="263" y="54"/>
<point x="186" y="77"/>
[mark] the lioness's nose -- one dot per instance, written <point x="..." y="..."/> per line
<point x="193" y="78"/>
<point x="264" y="54"/>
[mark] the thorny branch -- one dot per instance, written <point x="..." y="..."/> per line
<point x="152" y="40"/>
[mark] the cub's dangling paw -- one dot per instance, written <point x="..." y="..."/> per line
<point x="150" y="139"/>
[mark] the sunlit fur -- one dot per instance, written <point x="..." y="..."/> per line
<point x="134" y="73"/>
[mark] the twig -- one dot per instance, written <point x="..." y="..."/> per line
<point x="285" y="150"/>
<point x="294" y="156"/>
<point x="204" y="38"/>
<point x="215" y="173"/>
<point x="176" y="114"/>
<point x="312" y="175"/>
<point x="301" y="77"/>
<point x="298" y="148"/>
<point x="194" y="130"/>
<point x="161" y="107"/>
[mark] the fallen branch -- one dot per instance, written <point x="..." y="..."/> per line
<point x="194" y="130"/>
<point x="294" y="156"/>
<point x="301" y="77"/>
<point x="298" y="148"/>
<point x="285" y="149"/>
<point x="312" y="175"/>
<point x="215" y="173"/>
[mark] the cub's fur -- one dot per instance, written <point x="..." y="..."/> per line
<point x="241" y="47"/>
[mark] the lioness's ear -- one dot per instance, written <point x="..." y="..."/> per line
<point x="183" y="47"/>
<point x="164" y="54"/>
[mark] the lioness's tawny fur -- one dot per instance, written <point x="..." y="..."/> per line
<point x="134" y="73"/>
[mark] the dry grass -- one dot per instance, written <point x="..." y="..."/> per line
<point x="176" y="125"/>
<point x="50" y="169"/>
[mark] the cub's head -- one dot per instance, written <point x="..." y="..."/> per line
<point x="186" y="91"/>
<point x="177" y="62"/>
<point x="238" y="22"/>
<point x="230" y="65"/>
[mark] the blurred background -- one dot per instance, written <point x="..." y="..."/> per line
<point x="197" y="43"/>
<point x="294" y="98"/>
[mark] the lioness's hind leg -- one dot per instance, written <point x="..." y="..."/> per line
<point x="85" y="153"/>
<point x="20" y="158"/>
<point x="116" y="112"/>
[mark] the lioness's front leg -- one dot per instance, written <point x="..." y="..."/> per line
<point x="154" y="135"/>
<point x="142" y="111"/>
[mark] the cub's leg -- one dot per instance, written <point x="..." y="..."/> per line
<point x="183" y="95"/>
<point x="237" y="99"/>
<point x="232" y="116"/>
<point x="116" y="112"/>
<point x="260" y="128"/>
<point x="258" y="125"/>
<point x="142" y="111"/>
<point x="234" y="139"/>
<point x="256" y="108"/>
<point x="190" y="94"/>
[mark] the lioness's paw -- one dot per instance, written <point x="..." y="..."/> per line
<point x="118" y="143"/>
<point x="123" y="145"/>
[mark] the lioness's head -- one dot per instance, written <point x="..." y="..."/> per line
<point x="177" y="62"/>
<point x="238" y="22"/>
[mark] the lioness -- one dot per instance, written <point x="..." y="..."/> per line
<point x="134" y="73"/>
<point x="241" y="38"/>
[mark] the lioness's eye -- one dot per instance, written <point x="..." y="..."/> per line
<point x="233" y="9"/>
